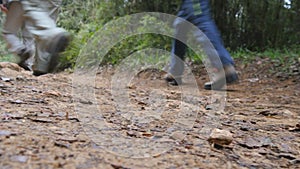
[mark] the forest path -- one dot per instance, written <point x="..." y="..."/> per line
<point x="40" y="128"/>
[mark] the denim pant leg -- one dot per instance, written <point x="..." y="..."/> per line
<point x="206" y="24"/>
<point x="178" y="48"/>
<point x="210" y="30"/>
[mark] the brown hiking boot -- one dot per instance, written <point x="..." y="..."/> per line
<point x="220" y="80"/>
<point x="24" y="56"/>
<point x="173" y="81"/>
<point x="58" y="45"/>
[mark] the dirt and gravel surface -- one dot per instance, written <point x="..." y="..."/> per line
<point x="40" y="128"/>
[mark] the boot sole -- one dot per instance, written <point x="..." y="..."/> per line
<point x="230" y="79"/>
<point x="172" y="81"/>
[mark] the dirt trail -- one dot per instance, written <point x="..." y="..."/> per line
<point x="40" y="129"/>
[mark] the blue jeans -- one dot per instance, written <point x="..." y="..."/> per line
<point x="196" y="12"/>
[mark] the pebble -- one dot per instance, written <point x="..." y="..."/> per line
<point x="220" y="137"/>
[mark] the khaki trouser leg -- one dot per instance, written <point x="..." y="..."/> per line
<point x="28" y="41"/>
<point x="42" y="27"/>
<point x="13" y="23"/>
<point x="54" y="8"/>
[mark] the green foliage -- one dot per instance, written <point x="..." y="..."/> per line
<point x="78" y="41"/>
<point x="7" y="58"/>
<point x="139" y="42"/>
<point x="273" y="54"/>
<point x="84" y="18"/>
<point x="282" y="59"/>
<point x="78" y="18"/>
<point x="256" y="24"/>
<point x="263" y="27"/>
<point x="4" y="55"/>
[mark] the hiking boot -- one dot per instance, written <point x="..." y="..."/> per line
<point x="58" y="45"/>
<point x="173" y="81"/>
<point x="24" y="56"/>
<point x="220" y="80"/>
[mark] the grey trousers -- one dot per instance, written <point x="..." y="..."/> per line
<point x="37" y="19"/>
<point x="13" y="25"/>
